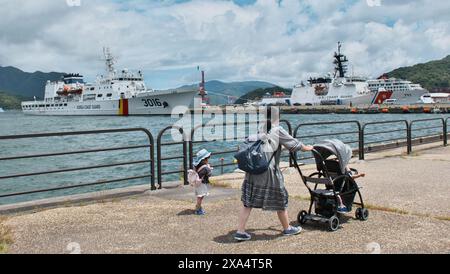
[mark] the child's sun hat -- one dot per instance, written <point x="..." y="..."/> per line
<point x="201" y="155"/>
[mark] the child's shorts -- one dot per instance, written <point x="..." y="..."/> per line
<point x="202" y="191"/>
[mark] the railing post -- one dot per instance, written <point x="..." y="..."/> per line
<point x="361" y="143"/>
<point x="288" y="124"/>
<point x="152" y="158"/>
<point x="409" y="136"/>
<point x="185" y="160"/>
<point x="445" y="131"/>
<point x="158" y="157"/>
<point x="159" y="154"/>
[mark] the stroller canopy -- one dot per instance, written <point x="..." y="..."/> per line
<point x="337" y="148"/>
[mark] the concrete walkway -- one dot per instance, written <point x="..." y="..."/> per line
<point x="408" y="196"/>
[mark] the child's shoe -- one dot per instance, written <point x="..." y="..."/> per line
<point x="342" y="209"/>
<point x="200" y="212"/>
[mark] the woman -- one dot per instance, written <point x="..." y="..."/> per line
<point x="267" y="191"/>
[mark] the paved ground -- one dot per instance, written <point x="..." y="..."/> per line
<point x="165" y="224"/>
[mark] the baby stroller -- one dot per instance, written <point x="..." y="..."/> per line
<point x="329" y="182"/>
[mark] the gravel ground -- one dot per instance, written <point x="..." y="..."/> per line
<point x="166" y="224"/>
<point x="155" y="225"/>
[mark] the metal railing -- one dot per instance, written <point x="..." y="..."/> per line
<point x="215" y="152"/>
<point x="385" y="135"/>
<point x="150" y="160"/>
<point x="223" y="163"/>
<point x="396" y="141"/>
<point x="328" y="134"/>
<point x="161" y="158"/>
<point x="428" y="138"/>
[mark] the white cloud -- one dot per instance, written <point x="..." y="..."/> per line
<point x="277" y="42"/>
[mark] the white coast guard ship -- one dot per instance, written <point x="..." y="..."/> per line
<point x="402" y="92"/>
<point x="121" y="93"/>
<point x="334" y="89"/>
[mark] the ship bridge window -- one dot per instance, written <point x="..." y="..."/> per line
<point x="99" y="95"/>
<point x="109" y="95"/>
<point x="88" y="97"/>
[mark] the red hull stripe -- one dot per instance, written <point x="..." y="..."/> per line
<point x="125" y="107"/>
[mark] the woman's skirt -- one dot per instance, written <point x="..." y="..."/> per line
<point x="265" y="191"/>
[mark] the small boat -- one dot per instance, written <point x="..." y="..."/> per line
<point x="1" y="110"/>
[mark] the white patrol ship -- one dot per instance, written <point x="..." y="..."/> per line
<point x="121" y="93"/>
<point x="338" y="89"/>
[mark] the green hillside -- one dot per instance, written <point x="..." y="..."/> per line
<point x="25" y="84"/>
<point x="434" y="74"/>
<point x="261" y="92"/>
<point x="9" y="101"/>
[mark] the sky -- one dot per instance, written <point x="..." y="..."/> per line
<point x="278" y="41"/>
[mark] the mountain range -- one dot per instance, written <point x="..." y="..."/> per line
<point x="24" y="84"/>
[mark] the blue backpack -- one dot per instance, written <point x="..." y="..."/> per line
<point x="252" y="159"/>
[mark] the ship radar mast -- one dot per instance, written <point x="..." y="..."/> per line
<point x="340" y="61"/>
<point x="109" y="60"/>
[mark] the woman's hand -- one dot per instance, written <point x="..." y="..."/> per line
<point x="307" y="148"/>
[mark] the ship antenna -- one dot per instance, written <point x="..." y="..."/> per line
<point x="339" y="61"/>
<point x="109" y="60"/>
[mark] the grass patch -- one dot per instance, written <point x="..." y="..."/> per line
<point x="388" y="209"/>
<point x="221" y="184"/>
<point x="443" y="218"/>
<point x="5" y="236"/>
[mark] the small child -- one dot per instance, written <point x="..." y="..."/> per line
<point x="204" y="171"/>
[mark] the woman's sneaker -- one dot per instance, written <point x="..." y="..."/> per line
<point x="241" y="237"/>
<point x="292" y="231"/>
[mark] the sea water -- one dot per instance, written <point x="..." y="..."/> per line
<point x="15" y="123"/>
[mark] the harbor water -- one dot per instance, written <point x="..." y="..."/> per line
<point x="15" y="123"/>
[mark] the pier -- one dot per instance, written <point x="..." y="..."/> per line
<point x="406" y="190"/>
<point x="338" y="109"/>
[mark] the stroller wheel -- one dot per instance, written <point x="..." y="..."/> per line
<point x="334" y="223"/>
<point x="362" y="214"/>
<point x="301" y="218"/>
